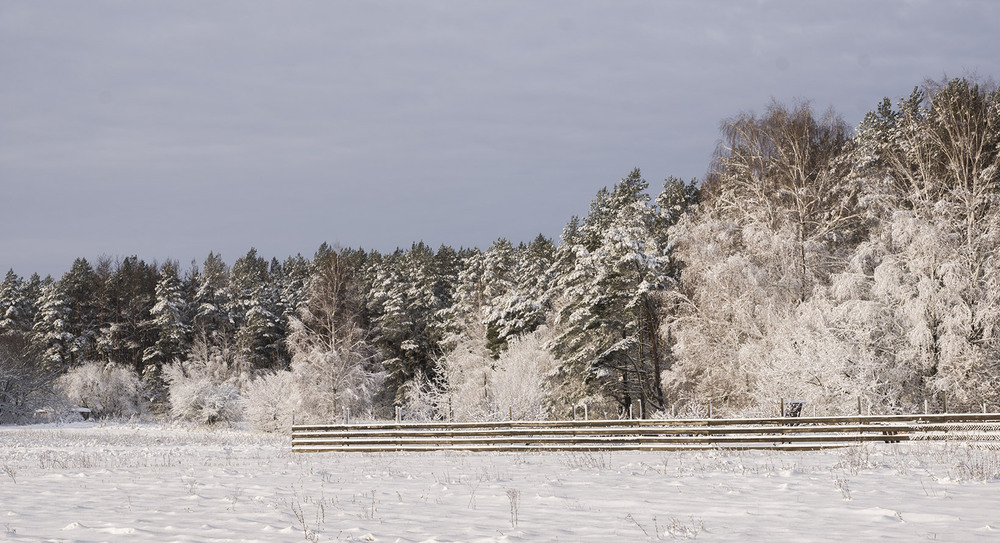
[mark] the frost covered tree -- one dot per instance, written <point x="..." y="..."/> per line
<point x="333" y="365"/>
<point x="270" y="401"/>
<point x="873" y="275"/>
<point x="521" y="380"/>
<point x="931" y="269"/>
<point x="784" y="172"/>
<point x="777" y="218"/>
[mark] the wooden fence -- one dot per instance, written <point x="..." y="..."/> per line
<point x="783" y="433"/>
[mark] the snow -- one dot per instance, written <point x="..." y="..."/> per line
<point x="124" y="481"/>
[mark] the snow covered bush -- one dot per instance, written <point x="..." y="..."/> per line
<point x="472" y="386"/>
<point x="205" y="388"/>
<point x="271" y="400"/>
<point x="105" y="389"/>
<point x="196" y="397"/>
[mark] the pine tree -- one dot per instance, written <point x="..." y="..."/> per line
<point x="294" y="285"/>
<point x="32" y="297"/>
<point x="79" y="286"/>
<point x="211" y="300"/>
<point x="407" y="314"/>
<point x="167" y="321"/>
<point x="446" y="267"/>
<point x="125" y="297"/>
<point x="66" y="324"/>
<point x="16" y="311"/>
<point x="253" y="302"/>
<point x="464" y="316"/>
<point x="50" y="332"/>
<point x="609" y="284"/>
<point x="519" y="294"/>
<point x="498" y="281"/>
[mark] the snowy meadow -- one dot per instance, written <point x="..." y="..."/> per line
<point x="130" y="481"/>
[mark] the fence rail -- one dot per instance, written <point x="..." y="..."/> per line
<point x="781" y="433"/>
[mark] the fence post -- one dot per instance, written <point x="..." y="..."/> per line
<point x="630" y="411"/>
<point x="781" y="407"/>
<point x="347" y="415"/>
<point x="709" y="408"/>
<point x="925" y="406"/>
<point x="944" y="402"/>
<point x="642" y="414"/>
<point x="859" y="406"/>
<point x="585" y="417"/>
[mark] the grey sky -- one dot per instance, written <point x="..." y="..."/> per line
<point x="171" y="129"/>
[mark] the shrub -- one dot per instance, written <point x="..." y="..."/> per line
<point x="205" y="388"/>
<point x="271" y="401"/>
<point x="471" y="385"/>
<point x="197" y="397"/>
<point x="105" y="389"/>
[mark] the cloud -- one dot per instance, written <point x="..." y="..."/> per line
<point x="172" y="129"/>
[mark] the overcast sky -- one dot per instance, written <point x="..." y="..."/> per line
<point x="171" y="129"/>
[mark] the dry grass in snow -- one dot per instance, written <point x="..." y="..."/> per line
<point x="150" y="482"/>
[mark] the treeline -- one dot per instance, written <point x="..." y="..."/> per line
<point x="814" y="262"/>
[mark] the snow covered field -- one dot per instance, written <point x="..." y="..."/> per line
<point x="145" y="482"/>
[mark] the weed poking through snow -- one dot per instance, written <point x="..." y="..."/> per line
<point x="11" y="472"/>
<point x="514" y="496"/>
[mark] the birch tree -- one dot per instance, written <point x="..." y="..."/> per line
<point x="333" y="365"/>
